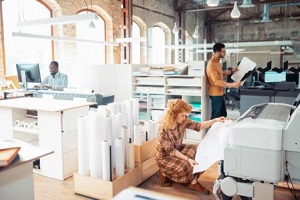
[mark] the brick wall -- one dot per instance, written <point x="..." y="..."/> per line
<point x="149" y="13"/>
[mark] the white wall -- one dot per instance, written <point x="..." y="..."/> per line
<point x="103" y="79"/>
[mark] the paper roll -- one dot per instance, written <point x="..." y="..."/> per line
<point x="125" y="136"/>
<point x="101" y="108"/>
<point x="116" y="126"/>
<point x="95" y="138"/>
<point x="129" y="105"/>
<point x="35" y="125"/>
<point x="155" y="129"/>
<point x="149" y="127"/>
<point x="18" y="123"/>
<point x="91" y="112"/>
<point x="124" y="133"/>
<point x="108" y="131"/>
<point x="124" y="113"/>
<point x="116" y="132"/>
<point x="26" y="125"/>
<point x="135" y="111"/>
<point x="83" y="144"/>
<point x="143" y="137"/>
<point x="130" y="162"/>
<point x="114" y="107"/>
<point x="137" y="132"/>
<point x="22" y="124"/>
<point x="106" y="161"/>
<point x="120" y="156"/>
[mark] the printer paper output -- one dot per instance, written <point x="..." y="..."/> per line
<point x="211" y="148"/>
<point x="245" y="66"/>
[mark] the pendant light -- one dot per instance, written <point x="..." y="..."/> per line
<point x="212" y="3"/>
<point x="196" y="33"/>
<point x="92" y="24"/>
<point x="247" y="4"/>
<point x="175" y="29"/>
<point x="235" y="13"/>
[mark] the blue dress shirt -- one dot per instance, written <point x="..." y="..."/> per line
<point x="58" y="82"/>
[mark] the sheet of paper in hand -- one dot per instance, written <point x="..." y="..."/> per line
<point x="211" y="148"/>
<point x="246" y="65"/>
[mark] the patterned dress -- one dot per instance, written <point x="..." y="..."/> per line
<point x="176" y="169"/>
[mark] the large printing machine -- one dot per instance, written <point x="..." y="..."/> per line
<point x="263" y="150"/>
<point x="99" y="99"/>
<point x="281" y="92"/>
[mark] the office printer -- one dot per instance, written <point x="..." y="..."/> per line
<point x="89" y="97"/>
<point x="264" y="149"/>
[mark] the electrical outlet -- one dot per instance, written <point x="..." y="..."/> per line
<point x="286" y="177"/>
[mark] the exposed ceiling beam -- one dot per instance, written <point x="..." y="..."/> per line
<point x="184" y="5"/>
<point x="192" y="6"/>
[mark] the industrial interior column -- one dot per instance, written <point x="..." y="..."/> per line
<point x="180" y="21"/>
<point x="126" y="11"/>
<point x="181" y="18"/>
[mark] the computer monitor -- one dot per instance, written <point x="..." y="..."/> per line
<point x="30" y="71"/>
<point x="291" y="77"/>
<point x="272" y="77"/>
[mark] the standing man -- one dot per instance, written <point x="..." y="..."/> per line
<point x="56" y="80"/>
<point x="216" y="83"/>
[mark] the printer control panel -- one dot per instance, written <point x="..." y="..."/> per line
<point x="254" y="112"/>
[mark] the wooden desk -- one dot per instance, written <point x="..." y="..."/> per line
<point x="16" y="180"/>
<point x="57" y="130"/>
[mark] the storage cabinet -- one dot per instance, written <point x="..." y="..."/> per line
<point x="155" y="90"/>
<point x="56" y="130"/>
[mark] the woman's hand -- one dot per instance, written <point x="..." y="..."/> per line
<point x="220" y="119"/>
<point x="192" y="162"/>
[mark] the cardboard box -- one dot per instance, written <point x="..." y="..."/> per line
<point x="145" y="151"/>
<point x="100" y="189"/>
<point x="149" y="167"/>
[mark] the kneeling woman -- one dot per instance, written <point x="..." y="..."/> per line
<point x="175" y="160"/>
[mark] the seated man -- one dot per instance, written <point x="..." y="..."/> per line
<point x="56" y="80"/>
<point x="3" y="83"/>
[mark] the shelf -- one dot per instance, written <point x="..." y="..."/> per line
<point x="196" y="95"/>
<point x="146" y="93"/>
<point x="171" y="85"/>
<point x="25" y="130"/>
<point x="198" y="110"/>
<point x="156" y="108"/>
<point x="145" y="75"/>
<point x="191" y="88"/>
<point x="141" y="84"/>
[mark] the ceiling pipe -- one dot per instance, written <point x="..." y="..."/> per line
<point x="266" y="13"/>
<point x="247" y="4"/>
<point x="253" y="2"/>
<point x="283" y="5"/>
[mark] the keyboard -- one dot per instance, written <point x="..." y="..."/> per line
<point x="37" y="89"/>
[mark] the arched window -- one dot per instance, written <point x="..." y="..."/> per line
<point x="21" y="49"/>
<point x="158" y="45"/>
<point x="91" y="53"/>
<point x="136" y="46"/>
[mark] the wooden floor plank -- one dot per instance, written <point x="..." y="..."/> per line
<point x="51" y="189"/>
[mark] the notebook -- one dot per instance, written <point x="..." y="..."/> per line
<point x="7" y="153"/>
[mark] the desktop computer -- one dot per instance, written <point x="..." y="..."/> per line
<point x="291" y="77"/>
<point x="273" y="77"/>
<point x="29" y="75"/>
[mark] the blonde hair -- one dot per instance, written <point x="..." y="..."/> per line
<point x="174" y="108"/>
